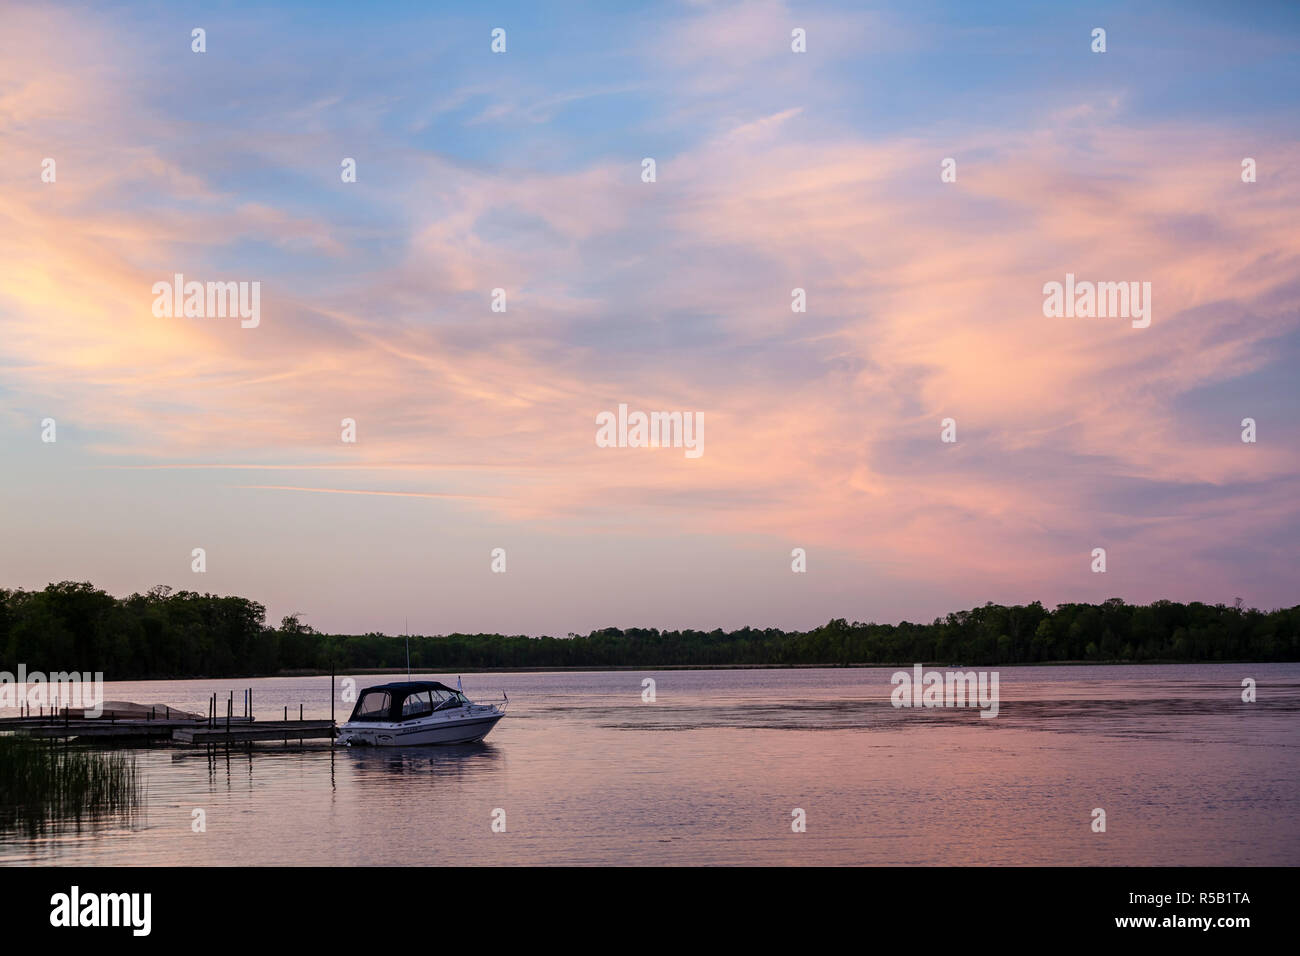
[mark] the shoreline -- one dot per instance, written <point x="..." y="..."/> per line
<point x="381" y="671"/>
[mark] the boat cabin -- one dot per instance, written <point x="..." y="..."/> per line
<point x="407" y="700"/>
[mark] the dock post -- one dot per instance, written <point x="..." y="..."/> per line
<point x="230" y="705"/>
<point x="300" y="711"/>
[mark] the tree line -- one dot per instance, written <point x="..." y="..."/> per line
<point x="165" y="633"/>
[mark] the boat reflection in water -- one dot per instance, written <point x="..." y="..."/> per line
<point x="415" y="713"/>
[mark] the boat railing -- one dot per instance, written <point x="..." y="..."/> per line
<point x="500" y="703"/>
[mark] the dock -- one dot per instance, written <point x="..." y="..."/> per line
<point x="198" y="732"/>
<point x="262" y="730"/>
<point x="160" y="723"/>
<point x="58" y="727"/>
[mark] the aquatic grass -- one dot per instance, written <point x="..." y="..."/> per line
<point x="49" y="782"/>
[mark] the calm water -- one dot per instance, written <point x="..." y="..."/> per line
<point x="709" y="774"/>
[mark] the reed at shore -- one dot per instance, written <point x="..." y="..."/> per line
<point x="46" y="782"/>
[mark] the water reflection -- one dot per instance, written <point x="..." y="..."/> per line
<point x="374" y="764"/>
<point x="588" y="773"/>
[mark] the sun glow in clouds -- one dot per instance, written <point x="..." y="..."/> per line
<point x="826" y="288"/>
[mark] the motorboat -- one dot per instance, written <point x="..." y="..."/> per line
<point x="416" y="713"/>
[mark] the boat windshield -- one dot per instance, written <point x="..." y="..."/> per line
<point x="447" y="699"/>
<point x="417" y="705"/>
<point x="373" y="705"/>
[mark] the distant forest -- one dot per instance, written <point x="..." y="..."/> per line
<point x="165" y="633"/>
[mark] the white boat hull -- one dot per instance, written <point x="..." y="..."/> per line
<point x="462" y="729"/>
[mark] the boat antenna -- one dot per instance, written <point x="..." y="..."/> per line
<point x="408" y="649"/>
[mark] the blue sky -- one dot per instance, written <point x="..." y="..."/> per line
<point x="775" y="171"/>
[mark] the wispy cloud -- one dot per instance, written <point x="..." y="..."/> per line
<point x="924" y="301"/>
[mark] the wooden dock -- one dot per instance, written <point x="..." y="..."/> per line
<point x="90" y="727"/>
<point x="148" y="723"/>
<point x="191" y="731"/>
<point x="262" y="730"/>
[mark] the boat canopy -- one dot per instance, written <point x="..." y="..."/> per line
<point x="405" y="700"/>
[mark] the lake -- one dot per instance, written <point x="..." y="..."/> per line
<point x="712" y="770"/>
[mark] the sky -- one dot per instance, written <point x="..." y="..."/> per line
<point x="774" y="170"/>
